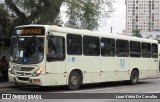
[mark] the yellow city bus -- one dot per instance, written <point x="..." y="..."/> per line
<point x="49" y="55"/>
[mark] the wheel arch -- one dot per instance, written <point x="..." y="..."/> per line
<point x="79" y="72"/>
<point x="135" y="69"/>
<point x="134" y="76"/>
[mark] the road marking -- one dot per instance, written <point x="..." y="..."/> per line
<point x="87" y="91"/>
<point x="154" y="92"/>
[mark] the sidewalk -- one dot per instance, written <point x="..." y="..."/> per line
<point x="6" y="84"/>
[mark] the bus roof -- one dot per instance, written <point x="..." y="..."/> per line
<point x="55" y="28"/>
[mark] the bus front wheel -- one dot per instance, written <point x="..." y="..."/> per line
<point x="74" y="80"/>
<point x="134" y="77"/>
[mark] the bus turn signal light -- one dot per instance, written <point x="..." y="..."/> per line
<point x="36" y="81"/>
<point x="38" y="72"/>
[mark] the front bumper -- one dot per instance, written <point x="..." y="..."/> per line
<point x="39" y="80"/>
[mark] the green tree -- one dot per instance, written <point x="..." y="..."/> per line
<point x="35" y="11"/>
<point x="136" y="32"/>
<point x="6" y="22"/>
<point x="82" y="14"/>
<point x="85" y="14"/>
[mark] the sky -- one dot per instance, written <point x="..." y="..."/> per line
<point x="117" y="20"/>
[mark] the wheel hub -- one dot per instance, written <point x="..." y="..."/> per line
<point x="74" y="80"/>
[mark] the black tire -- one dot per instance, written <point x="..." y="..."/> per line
<point x="16" y="84"/>
<point x="134" y="77"/>
<point x="74" y="80"/>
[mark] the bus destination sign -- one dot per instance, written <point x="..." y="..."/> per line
<point x="23" y="31"/>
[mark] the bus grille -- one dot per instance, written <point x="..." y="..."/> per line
<point x="27" y="68"/>
<point x="20" y="73"/>
<point x="23" y="78"/>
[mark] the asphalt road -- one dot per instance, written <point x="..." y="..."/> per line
<point x="94" y="91"/>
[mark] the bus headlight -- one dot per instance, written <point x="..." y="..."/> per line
<point x="38" y="72"/>
<point x="10" y="70"/>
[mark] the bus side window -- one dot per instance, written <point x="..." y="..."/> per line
<point x="146" y="50"/>
<point x="74" y="44"/>
<point x="107" y="47"/>
<point x="91" y="46"/>
<point x="56" y="48"/>
<point x="122" y="48"/>
<point x="135" y="49"/>
<point x="51" y="47"/>
<point x="154" y="50"/>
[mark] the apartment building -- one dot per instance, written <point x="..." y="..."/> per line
<point x="143" y="15"/>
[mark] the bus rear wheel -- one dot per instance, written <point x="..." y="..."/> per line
<point x="74" y="80"/>
<point x="134" y="77"/>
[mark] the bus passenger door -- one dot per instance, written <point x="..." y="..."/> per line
<point x="55" y="64"/>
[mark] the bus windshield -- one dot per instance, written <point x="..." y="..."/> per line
<point x="29" y="50"/>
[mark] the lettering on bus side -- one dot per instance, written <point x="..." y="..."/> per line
<point x="71" y="59"/>
<point x="122" y="63"/>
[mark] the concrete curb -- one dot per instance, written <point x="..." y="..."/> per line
<point x="6" y="84"/>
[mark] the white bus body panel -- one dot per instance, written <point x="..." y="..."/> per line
<point x="90" y="67"/>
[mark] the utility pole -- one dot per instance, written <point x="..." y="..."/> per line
<point x="111" y="29"/>
<point x="112" y="22"/>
